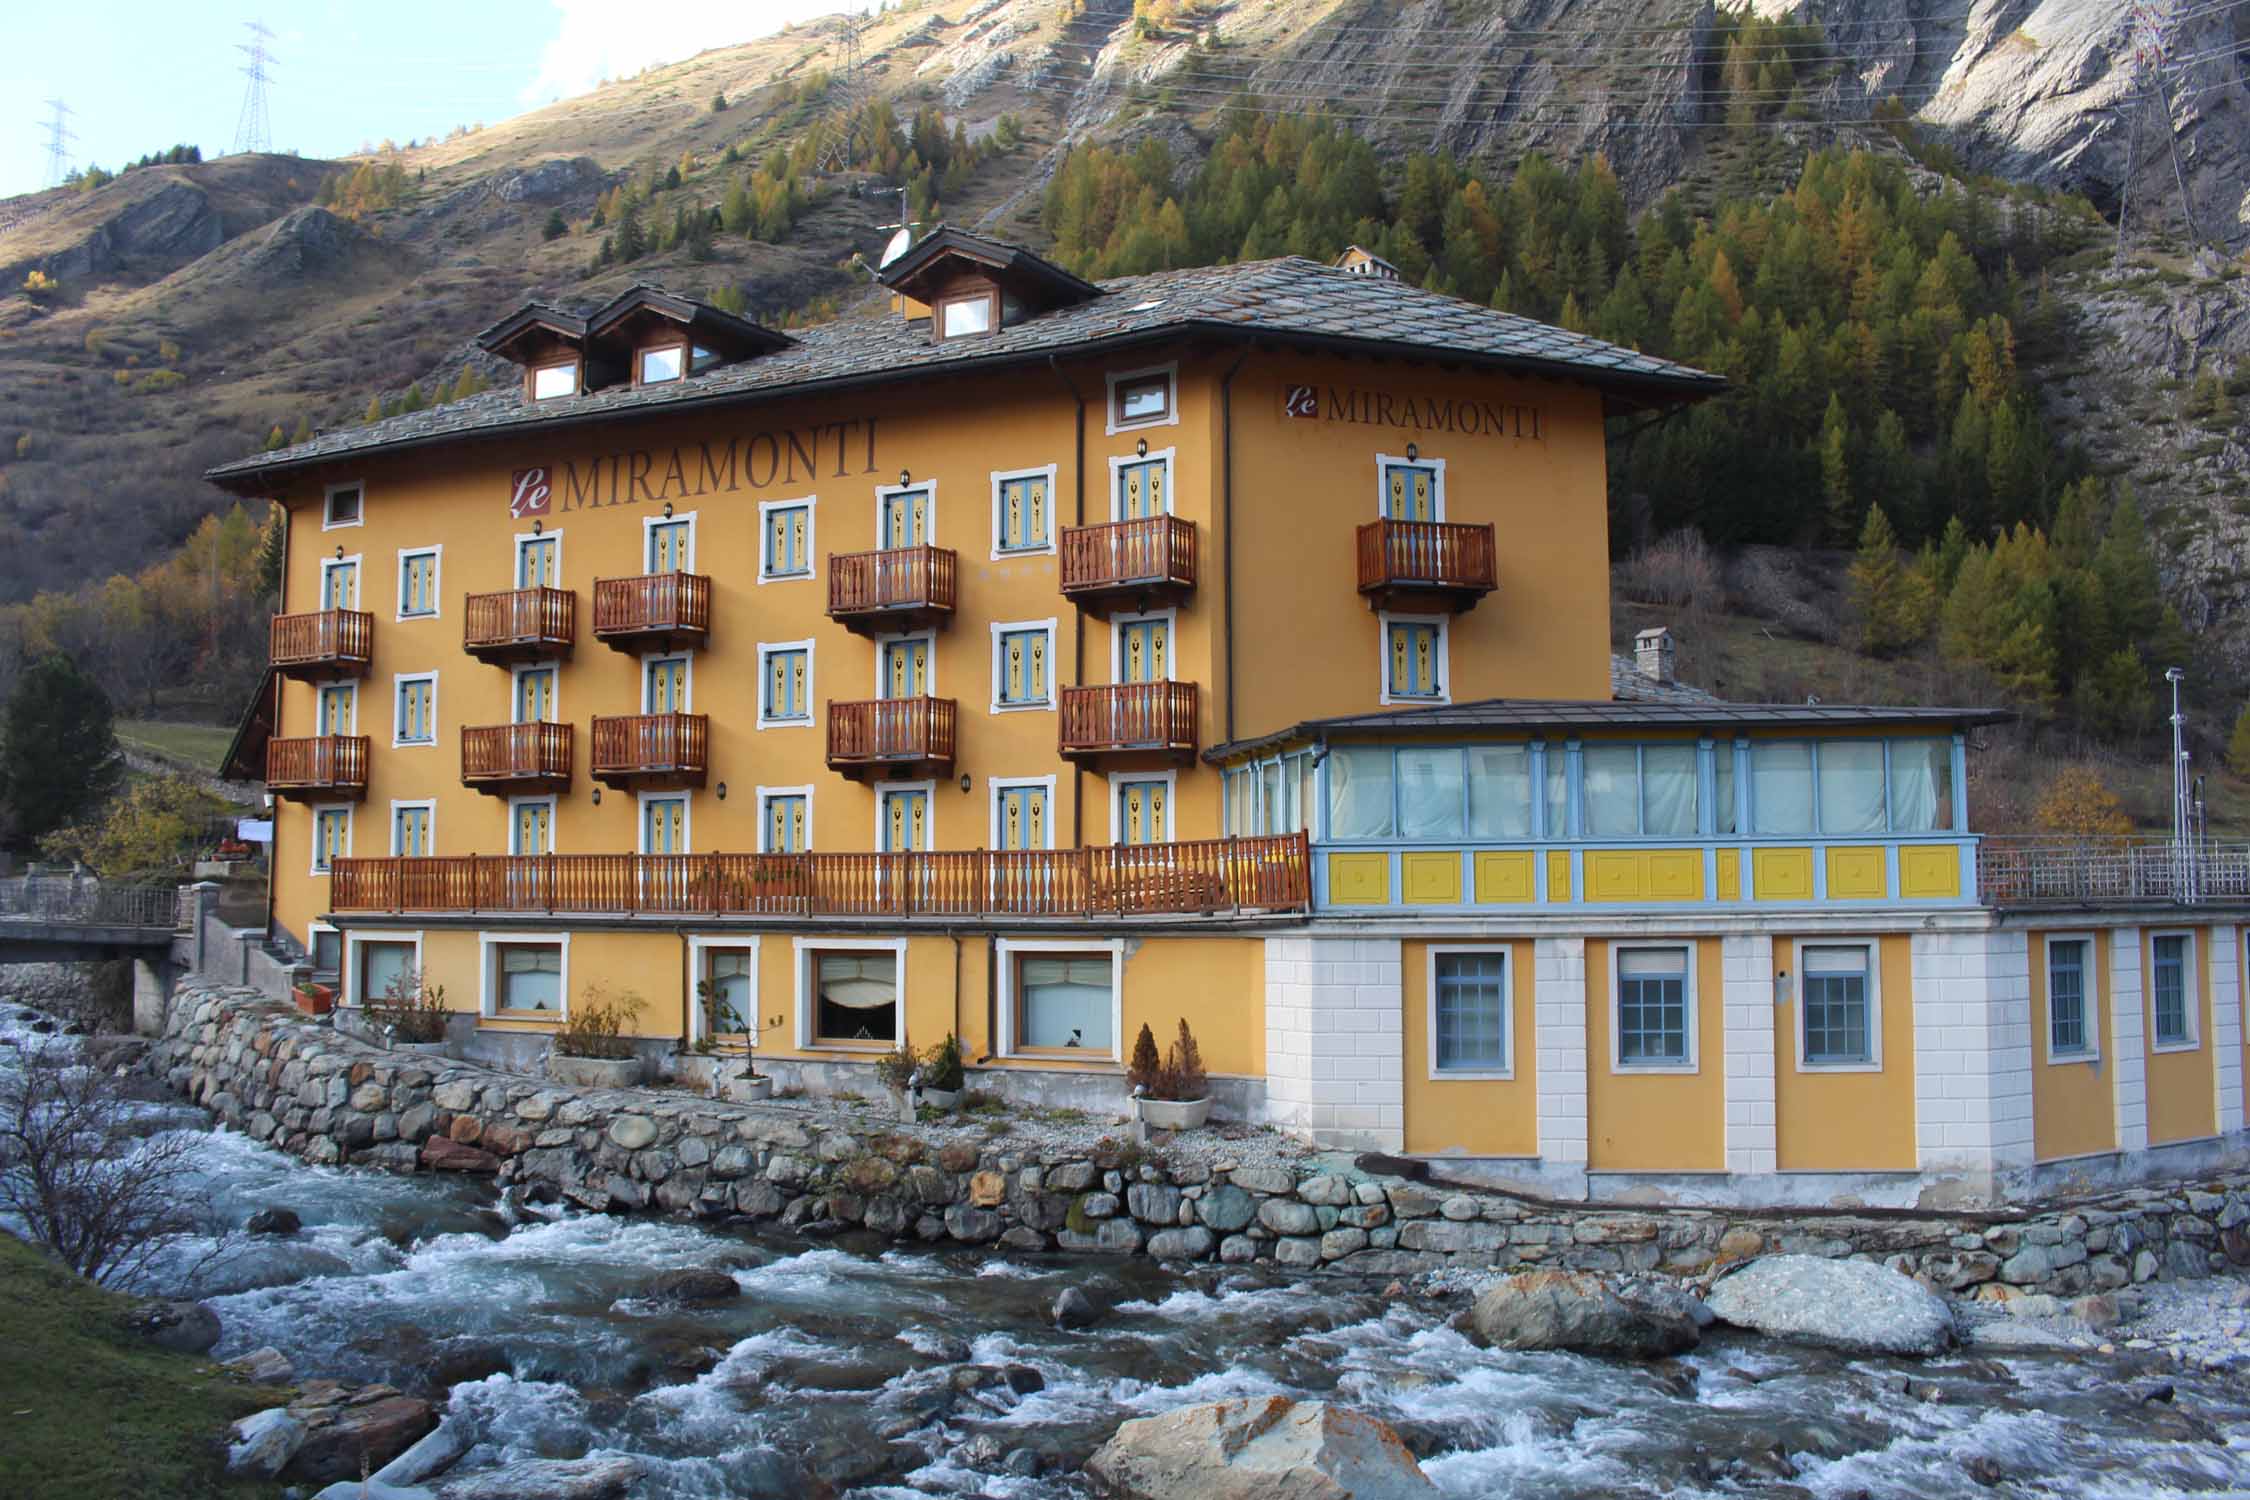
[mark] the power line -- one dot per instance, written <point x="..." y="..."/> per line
<point x="253" y="131"/>
<point x="59" y="137"/>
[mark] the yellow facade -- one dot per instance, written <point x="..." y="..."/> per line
<point x="1646" y="1120"/>
<point x="2072" y="1101"/>
<point x="2182" y="1098"/>
<point x="1472" y="1116"/>
<point x="1831" y="1119"/>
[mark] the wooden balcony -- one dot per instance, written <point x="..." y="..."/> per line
<point x="1136" y="720"/>
<point x="1142" y="564"/>
<point x="520" y="625"/>
<point x="891" y="737"/>
<point x="1426" y="565"/>
<point x="654" y="612"/>
<point x="901" y="588"/>
<point x="319" y="768"/>
<point x="508" y="760"/>
<point x="1202" y="877"/>
<point x="652" y="752"/>
<point x="325" y="646"/>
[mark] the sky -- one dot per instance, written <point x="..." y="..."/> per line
<point x="142" y="75"/>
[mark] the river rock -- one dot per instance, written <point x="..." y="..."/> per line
<point x="263" y="1442"/>
<point x="275" y="1221"/>
<point x="343" y="1437"/>
<point x="693" y="1286"/>
<point x="260" y="1265"/>
<point x="440" y="1447"/>
<point x="444" y="1154"/>
<point x="1853" y="1305"/>
<point x="183" y="1327"/>
<point x="549" y="1479"/>
<point x="1571" y="1310"/>
<point x="267" y="1366"/>
<point x="1226" y="1208"/>
<point x="1180" y="1244"/>
<point x="1075" y="1307"/>
<point x="1267" y="1449"/>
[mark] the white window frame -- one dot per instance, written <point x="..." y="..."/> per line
<point x="801" y="951"/>
<point x="405" y="804"/>
<point x="1004" y="476"/>
<point x="399" y="680"/>
<point x="1507" y="954"/>
<point x="812" y="552"/>
<point x="1444" y="626"/>
<point x="687" y="679"/>
<point x="930" y="687"/>
<point x="347" y="983"/>
<point x="350" y="818"/>
<point x="1874" y="1063"/>
<point x="687" y="818"/>
<point x="883" y="493"/>
<point x="2192" y="996"/>
<point x="1117" y="780"/>
<point x="552" y="809"/>
<point x="1618" y="1067"/>
<point x="1171" y="418"/>
<point x="1001" y="784"/>
<point x="515" y="689"/>
<point x="351" y="687"/>
<point x="700" y="944"/>
<point x="766" y="794"/>
<point x="883" y="789"/>
<point x="515" y="556"/>
<point x="436" y="553"/>
<point x="359" y="577"/>
<point x="1007" y="950"/>
<point x="328" y="521"/>
<point x="489" y="945"/>
<point x="1117" y="624"/>
<point x="1382" y="491"/>
<point x="2092" y="1051"/>
<point x="648" y="532"/>
<point x="1119" y="461"/>
<point x="1045" y="705"/>
<point x="767" y="721"/>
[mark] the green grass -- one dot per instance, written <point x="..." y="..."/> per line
<point x="198" y="747"/>
<point x="91" y="1411"/>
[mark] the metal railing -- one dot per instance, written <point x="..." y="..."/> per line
<point x="2038" y="869"/>
<point x="80" y="901"/>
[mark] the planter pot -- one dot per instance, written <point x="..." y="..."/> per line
<point x="945" y="1101"/>
<point x="594" y="1072"/>
<point x="314" y="1000"/>
<point x="1173" y="1114"/>
<point x="749" y="1090"/>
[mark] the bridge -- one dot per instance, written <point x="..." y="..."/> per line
<point x="72" y="919"/>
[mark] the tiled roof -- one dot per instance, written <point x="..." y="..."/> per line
<point x="1627" y="681"/>
<point x="1291" y="301"/>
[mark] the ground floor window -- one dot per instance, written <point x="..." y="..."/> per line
<point x="2066" y="998"/>
<point x="1652" y="1007"/>
<point x="1469" y="1012"/>
<point x="528" y="978"/>
<point x="1064" y="1002"/>
<point x="855" y="997"/>
<point x="1839" y="1016"/>
<point x="381" y="967"/>
<point x="327" y="951"/>
<point x="730" y="978"/>
<point x="2170" y="991"/>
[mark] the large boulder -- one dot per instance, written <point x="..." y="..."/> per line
<point x="549" y="1479"/>
<point x="1853" y="1305"/>
<point x="1267" y="1449"/>
<point x="693" y="1285"/>
<point x="357" y="1436"/>
<point x="265" y="1262"/>
<point x="183" y="1327"/>
<point x="1571" y="1310"/>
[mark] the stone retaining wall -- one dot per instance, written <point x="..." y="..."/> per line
<point x="330" y="1098"/>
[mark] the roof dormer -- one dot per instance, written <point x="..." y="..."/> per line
<point x="547" y="343"/>
<point x="646" y="336"/>
<point x="974" y="287"/>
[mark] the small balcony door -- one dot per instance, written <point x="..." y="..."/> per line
<point x="1144" y="812"/>
<point x="906" y="668"/>
<point x="335" y="708"/>
<point x="905" y="824"/>
<point x="665" y="686"/>
<point x="1144" y="489"/>
<point x="539" y="562"/>
<point x="534" y="828"/>
<point x="906" y="519"/>
<point x="785" y="825"/>
<point x="1144" y="650"/>
<point x="1409" y="492"/>
<point x="669" y="547"/>
<point x="339" y="585"/>
<point x="664" y="825"/>
<point x="535" y="695"/>
<point x="1023" y="817"/>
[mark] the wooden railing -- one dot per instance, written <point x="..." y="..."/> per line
<point x="519" y="616"/>
<point x="320" y="761"/>
<point x="323" y="638"/>
<point x="898" y="578"/>
<point x="881" y="729"/>
<point x="1202" y="877"/>
<point x="1149" y="551"/>
<point x="515" y="752"/>
<point x="652" y="744"/>
<point x="652" y="603"/>
<point x="1427" y="554"/>
<point x="1128" y="716"/>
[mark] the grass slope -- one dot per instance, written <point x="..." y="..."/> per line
<point x="91" y="1411"/>
<point x="197" y="747"/>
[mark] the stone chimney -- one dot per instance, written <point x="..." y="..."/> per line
<point x="1652" y="654"/>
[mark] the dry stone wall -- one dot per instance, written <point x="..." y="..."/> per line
<point x="330" y="1098"/>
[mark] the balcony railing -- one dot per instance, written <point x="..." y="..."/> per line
<point x="895" y="589"/>
<point x="652" y="750"/>
<point x="1128" y="718"/>
<point x="2033" y="870"/>
<point x="321" y="646"/>
<point x="890" y="733"/>
<point x="1198" y="878"/>
<point x="653" y="611"/>
<point x="1151" y="559"/>
<point x="320" y="766"/>
<point x="520" y="625"/>
<point x="1430" y="562"/>
<point x="511" y="758"/>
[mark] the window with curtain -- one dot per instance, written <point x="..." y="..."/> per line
<point x="1851" y="786"/>
<point x="2170" y="1000"/>
<point x="855" y="998"/>
<point x="2066" y="998"/>
<point x="1471" y="1013"/>
<point x="1499" y="791"/>
<point x="1921" y="786"/>
<point x="1668" y="784"/>
<point x="1558" y="792"/>
<point x="729" y="973"/>
<point x="530" y="978"/>
<point x="1270" y="809"/>
<point x="1839" y="1024"/>
<point x="1064" y="1001"/>
<point x="1781" y="787"/>
<point x="1609" y="804"/>
<point x="1722" y="768"/>
<point x="382" y="965"/>
<point x="1307" y="793"/>
<point x="1652" y="1014"/>
<point x="1359" y="794"/>
<point x="1429" y="793"/>
<point x="1240" y="794"/>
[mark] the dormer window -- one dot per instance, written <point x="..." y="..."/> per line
<point x="968" y="315"/>
<point x="702" y="359"/>
<point x="550" y="381"/>
<point x="973" y="287"/>
<point x="660" y="365"/>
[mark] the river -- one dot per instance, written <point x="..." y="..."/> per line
<point x="845" y="1359"/>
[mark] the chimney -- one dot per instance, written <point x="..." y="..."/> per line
<point x="1652" y="654"/>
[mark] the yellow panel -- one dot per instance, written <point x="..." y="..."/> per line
<point x="1929" y="870"/>
<point x="1675" y="874"/>
<point x="1856" y="875"/>
<point x="1644" y="875"/>
<point x="1782" y="874"/>
<point x="1359" y="879"/>
<point x="1558" y="875"/>
<point x="1505" y="876"/>
<point x="1730" y="875"/>
<point x="1431" y="876"/>
<point x="1614" y="875"/>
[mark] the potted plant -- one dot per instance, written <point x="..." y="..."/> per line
<point x="591" y="1049"/>
<point x="314" y="999"/>
<point x="942" y="1076"/>
<point x="895" y="1070"/>
<point x="1174" y="1093"/>
<point x="411" y="1016"/>
<point x="712" y="1069"/>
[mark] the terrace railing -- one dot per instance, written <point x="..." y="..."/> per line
<point x="2035" y="870"/>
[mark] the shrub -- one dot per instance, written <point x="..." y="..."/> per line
<point x="1184" y="1078"/>
<point x="1676" y="572"/>
<point x="896" y="1068"/>
<point x="595" y="1026"/>
<point x="2078" y="802"/>
<point x="941" y="1068"/>
<point x="409" y="1010"/>
<point x="1146" y="1069"/>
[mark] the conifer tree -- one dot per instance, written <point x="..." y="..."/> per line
<point x="1836" y="480"/>
<point x="631" y="239"/>
<point x="304" y="432"/>
<point x="58" y="756"/>
<point x="1890" y="602"/>
<point x="374" y="412"/>
<point x="556" y="226"/>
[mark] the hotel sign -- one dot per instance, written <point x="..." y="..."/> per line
<point x="1467" y="416"/>
<point x="651" y="476"/>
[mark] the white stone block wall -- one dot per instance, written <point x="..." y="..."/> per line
<point x="1336" y="1040"/>
<point x="1746" y="965"/>
<point x="1289" y="1031"/>
<point x="1559" y="1024"/>
<point x="2226" y="1023"/>
<point x="2128" y="1041"/>
<point x="1972" y="1050"/>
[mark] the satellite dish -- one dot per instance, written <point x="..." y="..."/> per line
<point x="898" y="246"/>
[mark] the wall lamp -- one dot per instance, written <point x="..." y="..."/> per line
<point x="537" y="526"/>
<point x="722" y="791"/>
<point x="1412" y="453"/>
<point x="1140" y="449"/>
<point x="339" y="552"/>
<point x="597" y="795"/>
<point x="904" y="478"/>
<point x="965" y="781"/>
<point x="667" y="510"/>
